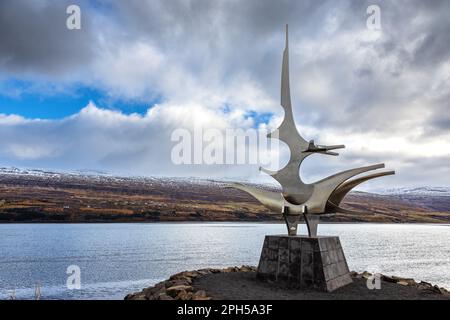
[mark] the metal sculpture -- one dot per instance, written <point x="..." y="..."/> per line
<point x="299" y="198"/>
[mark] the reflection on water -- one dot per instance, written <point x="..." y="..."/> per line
<point x="116" y="259"/>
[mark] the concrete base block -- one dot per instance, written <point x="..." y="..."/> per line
<point x="303" y="262"/>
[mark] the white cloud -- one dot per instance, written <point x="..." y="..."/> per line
<point x="97" y="138"/>
<point x="384" y="96"/>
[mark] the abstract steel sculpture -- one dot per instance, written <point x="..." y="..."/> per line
<point x="299" y="198"/>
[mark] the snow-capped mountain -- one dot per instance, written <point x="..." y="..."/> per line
<point x="80" y="196"/>
<point x="417" y="191"/>
<point x="102" y="175"/>
<point x="106" y="176"/>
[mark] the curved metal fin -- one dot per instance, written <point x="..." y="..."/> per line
<point x="269" y="172"/>
<point x="341" y="191"/>
<point x="338" y="178"/>
<point x="272" y="200"/>
<point x="325" y="187"/>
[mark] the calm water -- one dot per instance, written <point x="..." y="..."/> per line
<point x="116" y="259"/>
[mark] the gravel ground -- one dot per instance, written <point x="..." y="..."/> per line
<point x="245" y="286"/>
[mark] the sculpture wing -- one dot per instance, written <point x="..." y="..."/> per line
<point x="270" y="199"/>
<point x="334" y="201"/>
<point x="324" y="188"/>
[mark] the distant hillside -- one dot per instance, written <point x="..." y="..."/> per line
<point x="434" y="198"/>
<point x="41" y="196"/>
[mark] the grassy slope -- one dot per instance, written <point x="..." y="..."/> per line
<point x="70" y="198"/>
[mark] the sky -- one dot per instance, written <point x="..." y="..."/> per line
<point x="108" y="96"/>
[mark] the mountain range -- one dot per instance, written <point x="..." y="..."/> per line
<point x="50" y="196"/>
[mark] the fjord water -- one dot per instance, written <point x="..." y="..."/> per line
<point x="117" y="259"/>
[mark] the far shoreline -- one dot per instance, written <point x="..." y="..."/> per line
<point x="219" y="222"/>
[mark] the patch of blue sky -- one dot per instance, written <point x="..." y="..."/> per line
<point x="259" y="117"/>
<point x="226" y="108"/>
<point x="24" y="99"/>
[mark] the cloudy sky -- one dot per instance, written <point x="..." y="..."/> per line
<point x="107" y="97"/>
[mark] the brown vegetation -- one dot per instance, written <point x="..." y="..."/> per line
<point x="73" y="198"/>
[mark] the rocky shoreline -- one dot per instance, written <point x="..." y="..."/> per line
<point x="180" y="286"/>
<point x="204" y="284"/>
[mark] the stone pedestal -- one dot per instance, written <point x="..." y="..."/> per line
<point x="303" y="262"/>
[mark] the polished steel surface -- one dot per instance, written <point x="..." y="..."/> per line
<point x="297" y="197"/>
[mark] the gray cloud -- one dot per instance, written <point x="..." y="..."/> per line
<point x="385" y="96"/>
<point x="35" y="40"/>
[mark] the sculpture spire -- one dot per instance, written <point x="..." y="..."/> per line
<point x="285" y="87"/>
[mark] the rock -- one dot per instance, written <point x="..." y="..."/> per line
<point x="184" y="295"/>
<point x="188" y="280"/>
<point x="215" y="271"/>
<point x="173" y="291"/>
<point x="437" y="289"/>
<point x="183" y="276"/>
<point x="154" y="292"/>
<point x="389" y="279"/>
<point x="410" y="282"/>
<point x="424" y="286"/>
<point x="445" y="292"/>
<point x="191" y="274"/>
<point x="204" y="271"/>
<point x="179" y="287"/>
<point x="366" y="275"/>
<point x="176" y="276"/>
<point x="403" y="283"/>
<point x="440" y="290"/>
<point x="133" y="296"/>
<point x="180" y="282"/>
<point x="164" y="296"/>
<point x="429" y="288"/>
<point x="247" y="269"/>
<point x="199" y="294"/>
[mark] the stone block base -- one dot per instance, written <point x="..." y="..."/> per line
<point x="303" y="262"/>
